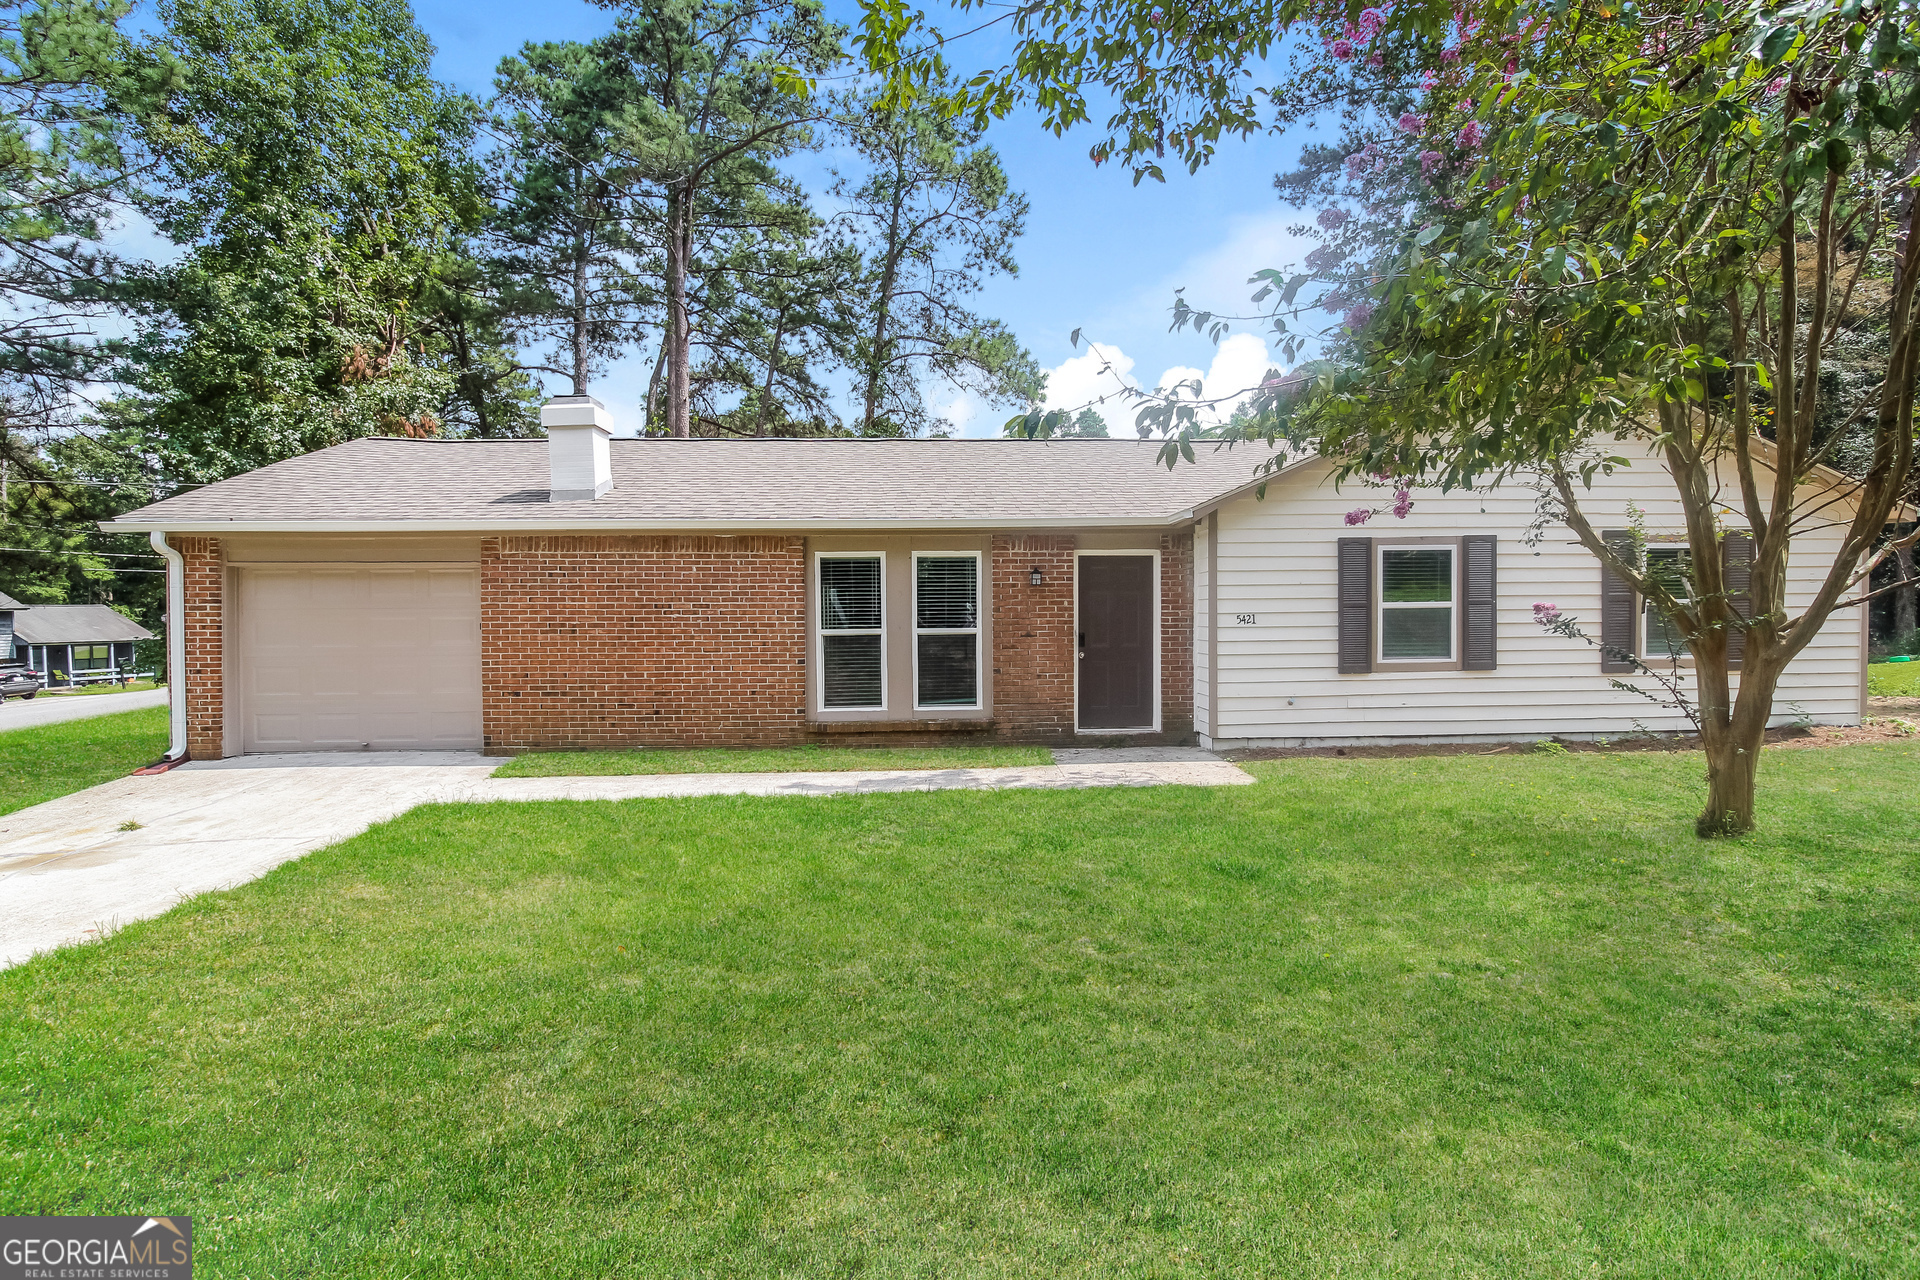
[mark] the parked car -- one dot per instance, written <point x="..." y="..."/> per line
<point x="18" y="682"/>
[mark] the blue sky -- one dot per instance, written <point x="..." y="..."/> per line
<point x="1100" y="254"/>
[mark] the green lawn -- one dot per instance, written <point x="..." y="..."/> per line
<point x="1894" y="679"/>
<point x="84" y="691"/>
<point x="1459" y="1016"/>
<point x="550" y="764"/>
<point x="56" y="759"/>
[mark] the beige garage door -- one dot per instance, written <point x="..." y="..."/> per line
<point x="358" y="658"/>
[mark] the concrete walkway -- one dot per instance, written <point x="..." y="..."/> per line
<point x="52" y="708"/>
<point x="82" y="865"/>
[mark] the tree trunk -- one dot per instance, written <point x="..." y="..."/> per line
<point x="773" y="359"/>
<point x="1733" y="763"/>
<point x="882" y="309"/>
<point x="677" y="337"/>
<point x="1904" y="619"/>
<point x="654" y="386"/>
<point x="579" y="335"/>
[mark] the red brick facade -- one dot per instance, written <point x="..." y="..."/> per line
<point x="205" y="580"/>
<point x="1176" y="635"/>
<point x="1033" y="641"/>
<point x="651" y="640"/>
<point x="642" y="641"/>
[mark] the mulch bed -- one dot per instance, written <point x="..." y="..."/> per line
<point x="1888" y="720"/>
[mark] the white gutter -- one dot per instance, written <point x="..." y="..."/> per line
<point x="503" y="528"/>
<point x="176" y="646"/>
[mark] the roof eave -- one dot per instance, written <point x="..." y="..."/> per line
<point x="214" y="526"/>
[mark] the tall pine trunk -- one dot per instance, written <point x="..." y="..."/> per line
<point x="883" y="309"/>
<point x="578" y="337"/>
<point x="677" y="337"/>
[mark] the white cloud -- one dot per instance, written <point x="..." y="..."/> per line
<point x="1102" y="372"/>
<point x="1239" y="363"/>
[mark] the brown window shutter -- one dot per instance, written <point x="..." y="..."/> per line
<point x="1619" y="607"/>
<point x="1356" y="606"/>
<point x="1480" y="618"/>
<point x="1736" y="568"/>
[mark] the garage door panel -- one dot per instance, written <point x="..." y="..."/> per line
<point x="346" y="658"/>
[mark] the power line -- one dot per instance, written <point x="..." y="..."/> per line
<point x="116" y="555"/>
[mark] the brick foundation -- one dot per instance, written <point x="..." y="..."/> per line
<point x="205" y="581"/>
<point x="642" y="641"/>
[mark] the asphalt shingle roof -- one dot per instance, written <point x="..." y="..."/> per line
<point x="772" y="483"/>
<point x="75" y="624"/>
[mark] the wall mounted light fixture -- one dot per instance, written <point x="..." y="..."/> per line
<point x="1034" y="577"/>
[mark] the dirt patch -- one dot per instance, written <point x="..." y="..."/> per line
<point x="1884" y="724"/>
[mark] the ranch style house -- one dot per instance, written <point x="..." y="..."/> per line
<point x="584" y="591"/>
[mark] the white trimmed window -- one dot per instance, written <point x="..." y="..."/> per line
<point x="853" y="643"/>
<point x="1672" y="568"/>
<point x="1417" y="595"/>
<point x="946" y="629"/>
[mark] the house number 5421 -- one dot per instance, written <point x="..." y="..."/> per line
<point x="1245" y="619"/>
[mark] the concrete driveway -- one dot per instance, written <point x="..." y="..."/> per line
<point x="53" y="708"/>
<point x="85" y="864"/>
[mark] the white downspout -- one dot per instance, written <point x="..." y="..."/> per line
<point x="176" y="646"/>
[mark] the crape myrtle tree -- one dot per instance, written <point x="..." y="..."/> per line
<point x="934" y="217"/>
<point x="1653" y="230"/>
<point x="1582" y="232"/>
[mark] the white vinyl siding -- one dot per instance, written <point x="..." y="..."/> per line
<point x="1277" y="682"/>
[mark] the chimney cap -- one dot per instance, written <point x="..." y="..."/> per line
<point x="575" y="411"/>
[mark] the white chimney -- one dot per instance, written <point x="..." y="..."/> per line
<point x="579" y="465"/>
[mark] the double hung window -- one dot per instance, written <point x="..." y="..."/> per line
<point x="946" y="630"/>
<point x="92" y="657"/>
<point x="1672" y="568"/>
<point x="1417" y="595"/>
<point x="853" y="655"/>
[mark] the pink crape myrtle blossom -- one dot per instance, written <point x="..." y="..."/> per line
<point x="1341" y="49"/>
<point x="1402" y="503"/>
<point x="1367" y="158"/>
<point x="1776" y="86"/>
<point x="1450" y="54"/>
<point x="1358" y="315"/>
<point x="1332" y="217"/>
<point x="1429" y="161"/>
<point x="1371" y="21"/>
<point x="1359" y="515"/>
<point x="1428" y="80"/>
<point x="1411" y="123"/>
<point x="1470" y="136"/>
<point x="1545" y="612"/>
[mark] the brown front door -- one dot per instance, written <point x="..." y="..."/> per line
<point x="1116" y="642"/>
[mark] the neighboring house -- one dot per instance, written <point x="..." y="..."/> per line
<point x="65" y="642"/>
<point x="8" y="608"/>
<point x="588" y="592"/>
